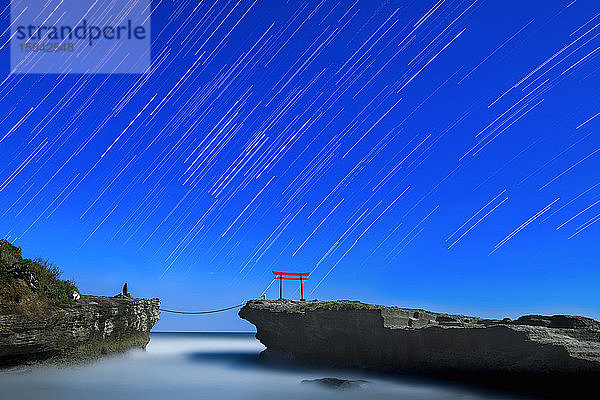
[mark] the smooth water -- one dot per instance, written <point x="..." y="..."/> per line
<point x="219" y="366"/>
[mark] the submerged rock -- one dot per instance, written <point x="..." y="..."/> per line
<point x="335" y="383"/>
<point x="530" y="351"/>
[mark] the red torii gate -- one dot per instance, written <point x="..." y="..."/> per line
<point x="294" y="276"/>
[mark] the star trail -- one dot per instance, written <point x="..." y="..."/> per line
<point x="338" y="137"/>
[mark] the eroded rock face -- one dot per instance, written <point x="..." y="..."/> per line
<point x="91" y="327"/>
<point x="352" y="334"/>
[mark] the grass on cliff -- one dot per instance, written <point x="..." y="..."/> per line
<point x="340" y="305"/>
<point x="47" y="274"/>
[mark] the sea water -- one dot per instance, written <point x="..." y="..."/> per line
<point x="220" y="366"/>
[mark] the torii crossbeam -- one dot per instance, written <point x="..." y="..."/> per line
<point x="294" y="276"/>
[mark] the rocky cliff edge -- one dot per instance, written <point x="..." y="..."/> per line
<point x="32" y="329"/>
<point x="353" y="334"/>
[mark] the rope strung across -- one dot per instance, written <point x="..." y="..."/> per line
<point x="202" y="312"/>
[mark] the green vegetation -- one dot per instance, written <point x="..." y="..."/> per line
<point x="9" y="255"/>
<point x="335" y="306"/>
<point x="49" y="284"/>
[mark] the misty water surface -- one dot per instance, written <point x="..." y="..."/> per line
<point x="206" y="366"/>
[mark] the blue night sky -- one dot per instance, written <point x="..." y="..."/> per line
<point x="433" y="154"/>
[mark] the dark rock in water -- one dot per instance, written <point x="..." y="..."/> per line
<point x="536" y="354"/>
<point x="335" y="383"/>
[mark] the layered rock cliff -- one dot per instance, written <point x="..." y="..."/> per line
<point x="353" y="334"/>
<point x="44" y="317"/>
<point x="90" y="327"/>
